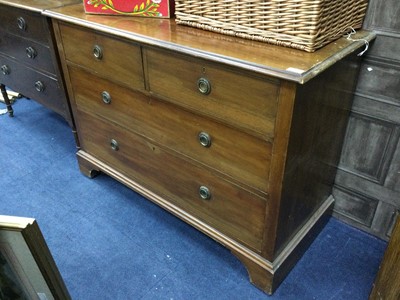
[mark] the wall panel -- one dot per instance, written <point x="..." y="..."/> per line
<point x="367" y="185"/>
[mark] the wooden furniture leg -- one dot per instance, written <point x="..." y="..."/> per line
<point x="87" y="168"/>
<point x="386" y="285"/>
<point x="6" y="100"/>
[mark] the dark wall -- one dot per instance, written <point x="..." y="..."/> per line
<point x="367" y="187"/>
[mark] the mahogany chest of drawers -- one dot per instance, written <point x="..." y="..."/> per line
<point x="238" y="138"/>
<point x="28" y="60"/>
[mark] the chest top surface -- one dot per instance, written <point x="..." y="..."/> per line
<point x="280" y="62"/>
<point x="37" y="5"/>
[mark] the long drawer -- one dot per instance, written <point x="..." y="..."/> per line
<point x="234" y="153"/>
<point x="27" y="51"/>
<point x="243" y="101"/>
<point x="104" y="55"/>
<point x="223" y="205"/>
<point x="36" y="85"/>
<point x="24" y="23"/>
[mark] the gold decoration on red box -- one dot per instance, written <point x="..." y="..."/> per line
<point x="142" y="8"/>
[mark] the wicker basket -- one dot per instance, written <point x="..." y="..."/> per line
<point x="302" y="24"/>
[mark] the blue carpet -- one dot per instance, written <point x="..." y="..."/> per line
<point x="110" y="243"/>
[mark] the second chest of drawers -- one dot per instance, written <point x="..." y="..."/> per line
<point x="28" y="60"/>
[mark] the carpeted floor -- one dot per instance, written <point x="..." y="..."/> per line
<point x="110" y="243"/>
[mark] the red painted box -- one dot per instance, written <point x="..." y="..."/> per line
<point x="140" y="8"/>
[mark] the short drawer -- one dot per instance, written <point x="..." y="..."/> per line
<point x="33" y="84"/>
<point x="221" y="204"/>
<point x="104" y="55"/>
<point x="27" y="51"/>
<point x="225" y="94"/>
<point x="24" y="23"/>
<point x="236" y="154"/>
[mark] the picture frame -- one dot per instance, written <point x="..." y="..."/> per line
<point x="27" y="268"/>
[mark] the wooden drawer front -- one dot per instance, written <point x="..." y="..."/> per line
<point x="238" y="100"/>
<point x="27" y="51"/>
<point x="119" y="61"/>
<point x="26" y="81"/>
<point x="25" y="23"/>
<point x="231" y="210"/>
<point x="239" y="155"/>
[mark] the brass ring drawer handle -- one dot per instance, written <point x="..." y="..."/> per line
<point x="31" y="52"/>
<point x="97" y="52"/>
<point x="114" y="145"/>
<point x="106" y="97"/>
<point x="39" y="86"/>
<point x="204" y="139"/>
<point x="204" y="86"/>
<point x="204" y="193"/>
<point x="21" y="23"/>
<point x="5" y="70"/>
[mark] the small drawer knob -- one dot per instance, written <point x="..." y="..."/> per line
<point x="204" y="139"/>
<point x="5" y="70"/>
<point x="21" y="23"/>
<point x="114" y="145"/>
<point x="106" y="97"/>
<point x="31" y="52"/>
<point x="204" y="193"/>
<point x="204" y="86"/>
<point x="39" y="86"/>
<point x="97" y="52"/>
